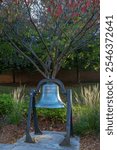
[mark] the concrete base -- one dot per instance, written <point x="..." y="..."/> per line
<point x="50" y="140"/>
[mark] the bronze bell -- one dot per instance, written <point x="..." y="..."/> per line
<point x="50" y="97"/>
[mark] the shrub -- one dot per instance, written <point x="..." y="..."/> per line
<point x="53" y="114"/>
<point x="13" y="109"/>
<point x="87" y="112"/>
<point x="18" y="112"/>
<point x="87" y="120"/>
<point x="20" y="107"/>
<point x="6" y="104"/>
<point x="88" y="94"/>
<point x="16" y="115"/>
<point x="19" y="93"/>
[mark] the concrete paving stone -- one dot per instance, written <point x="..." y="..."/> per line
<point x="6" y="146"/>
<point x="49" y="140"/>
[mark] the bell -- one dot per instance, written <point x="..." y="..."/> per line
<point x="50" y="97"/>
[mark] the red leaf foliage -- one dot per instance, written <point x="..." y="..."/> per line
<point x="56" y="8"/>
<point x="59" y="10"/>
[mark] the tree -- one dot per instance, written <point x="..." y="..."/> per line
<point x="11" y="60"/>
<point x="53" y="29"/>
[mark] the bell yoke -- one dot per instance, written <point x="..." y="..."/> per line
<point x="50" y="98"/>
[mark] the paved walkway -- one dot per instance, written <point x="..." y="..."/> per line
<point x="48" y="141"/>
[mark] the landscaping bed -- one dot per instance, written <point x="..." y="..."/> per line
<point x="90" y="142"/>
<point x="13" y="114"/>
<point x="10" y="134"/>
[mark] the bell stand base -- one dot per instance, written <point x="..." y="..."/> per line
<point x="69" y="124"/>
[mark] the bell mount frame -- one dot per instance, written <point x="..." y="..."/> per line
<point x="32" y="108"/>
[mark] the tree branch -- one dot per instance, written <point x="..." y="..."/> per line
<point x="18" y="49"/>
<point x="37" y="31"/>
<point x="31" y="50"/>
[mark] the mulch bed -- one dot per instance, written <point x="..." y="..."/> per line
<point x="10" y="134"/>
<point x="90" y="142"/>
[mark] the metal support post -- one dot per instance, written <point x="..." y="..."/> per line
<point x="28" y="136"/>
<point x="36" y="127"/>
<point x="66" y="141"/>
